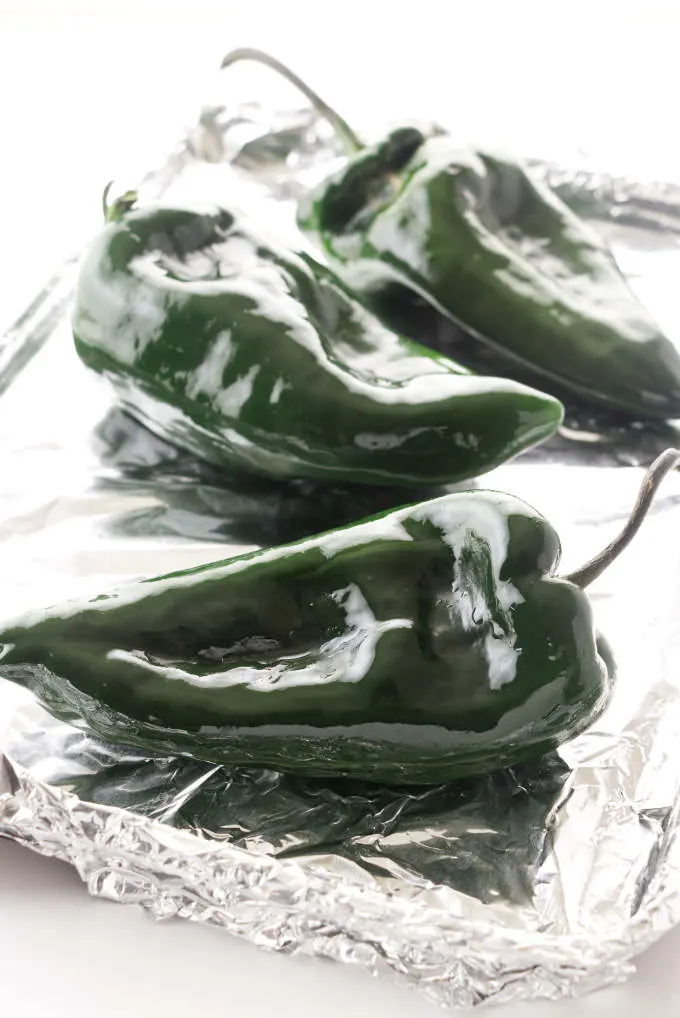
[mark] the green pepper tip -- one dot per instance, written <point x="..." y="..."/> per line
<point x="115" y="210"/>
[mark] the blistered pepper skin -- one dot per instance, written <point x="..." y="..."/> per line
<point x="493" y="249"/>
<point x="425" y="644"/>
<point x="254" y="357"/>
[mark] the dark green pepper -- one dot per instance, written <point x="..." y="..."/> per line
<point x="428" y="643"/>
<point x="256" y="357"/>
<point x="495" y="250"/>
<point x="500" y="254"/>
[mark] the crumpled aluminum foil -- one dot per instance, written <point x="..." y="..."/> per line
<point x="539" y="881"/>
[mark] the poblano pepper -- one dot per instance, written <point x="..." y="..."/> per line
<point x="256" y="357"/>
<point x="430" y="642"/>
<point x="497" y="251"/>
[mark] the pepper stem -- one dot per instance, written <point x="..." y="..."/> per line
<point x="115" y="211"/>
<point x="592" y="570"/>
<point x="351" y="140"/>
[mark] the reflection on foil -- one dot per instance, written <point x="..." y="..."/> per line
<point x="542" y="880"/>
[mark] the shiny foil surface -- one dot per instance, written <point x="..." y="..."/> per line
<point x="539" y="881"/>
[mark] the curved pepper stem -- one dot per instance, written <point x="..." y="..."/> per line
<point x="351" y="140"/>
<point x="117" y="209"/>
<point x="661" y="466"/>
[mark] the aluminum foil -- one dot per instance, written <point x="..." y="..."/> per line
<point x="539" y="881"/>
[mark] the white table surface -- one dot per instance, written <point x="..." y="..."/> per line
<point x="84" y="86"/>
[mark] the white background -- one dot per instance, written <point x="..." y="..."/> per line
<point x="87" y="90"/>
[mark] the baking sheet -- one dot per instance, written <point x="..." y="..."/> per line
<point x="541" y="880"/>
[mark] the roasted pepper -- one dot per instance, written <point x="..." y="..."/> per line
<point x="430" y="642"/>
<point x="256" y="357"/>
<point x="495" y="250"/>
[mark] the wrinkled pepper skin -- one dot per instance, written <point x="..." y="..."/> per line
<point x="256" y="358"/>
<point x="421" y="645"/>
<point x="498" y="252"/>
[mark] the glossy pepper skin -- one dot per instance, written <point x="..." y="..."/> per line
<point x="417" y="646"/>
<point x="488" y="246"/>
<point x="255" y="357"/>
